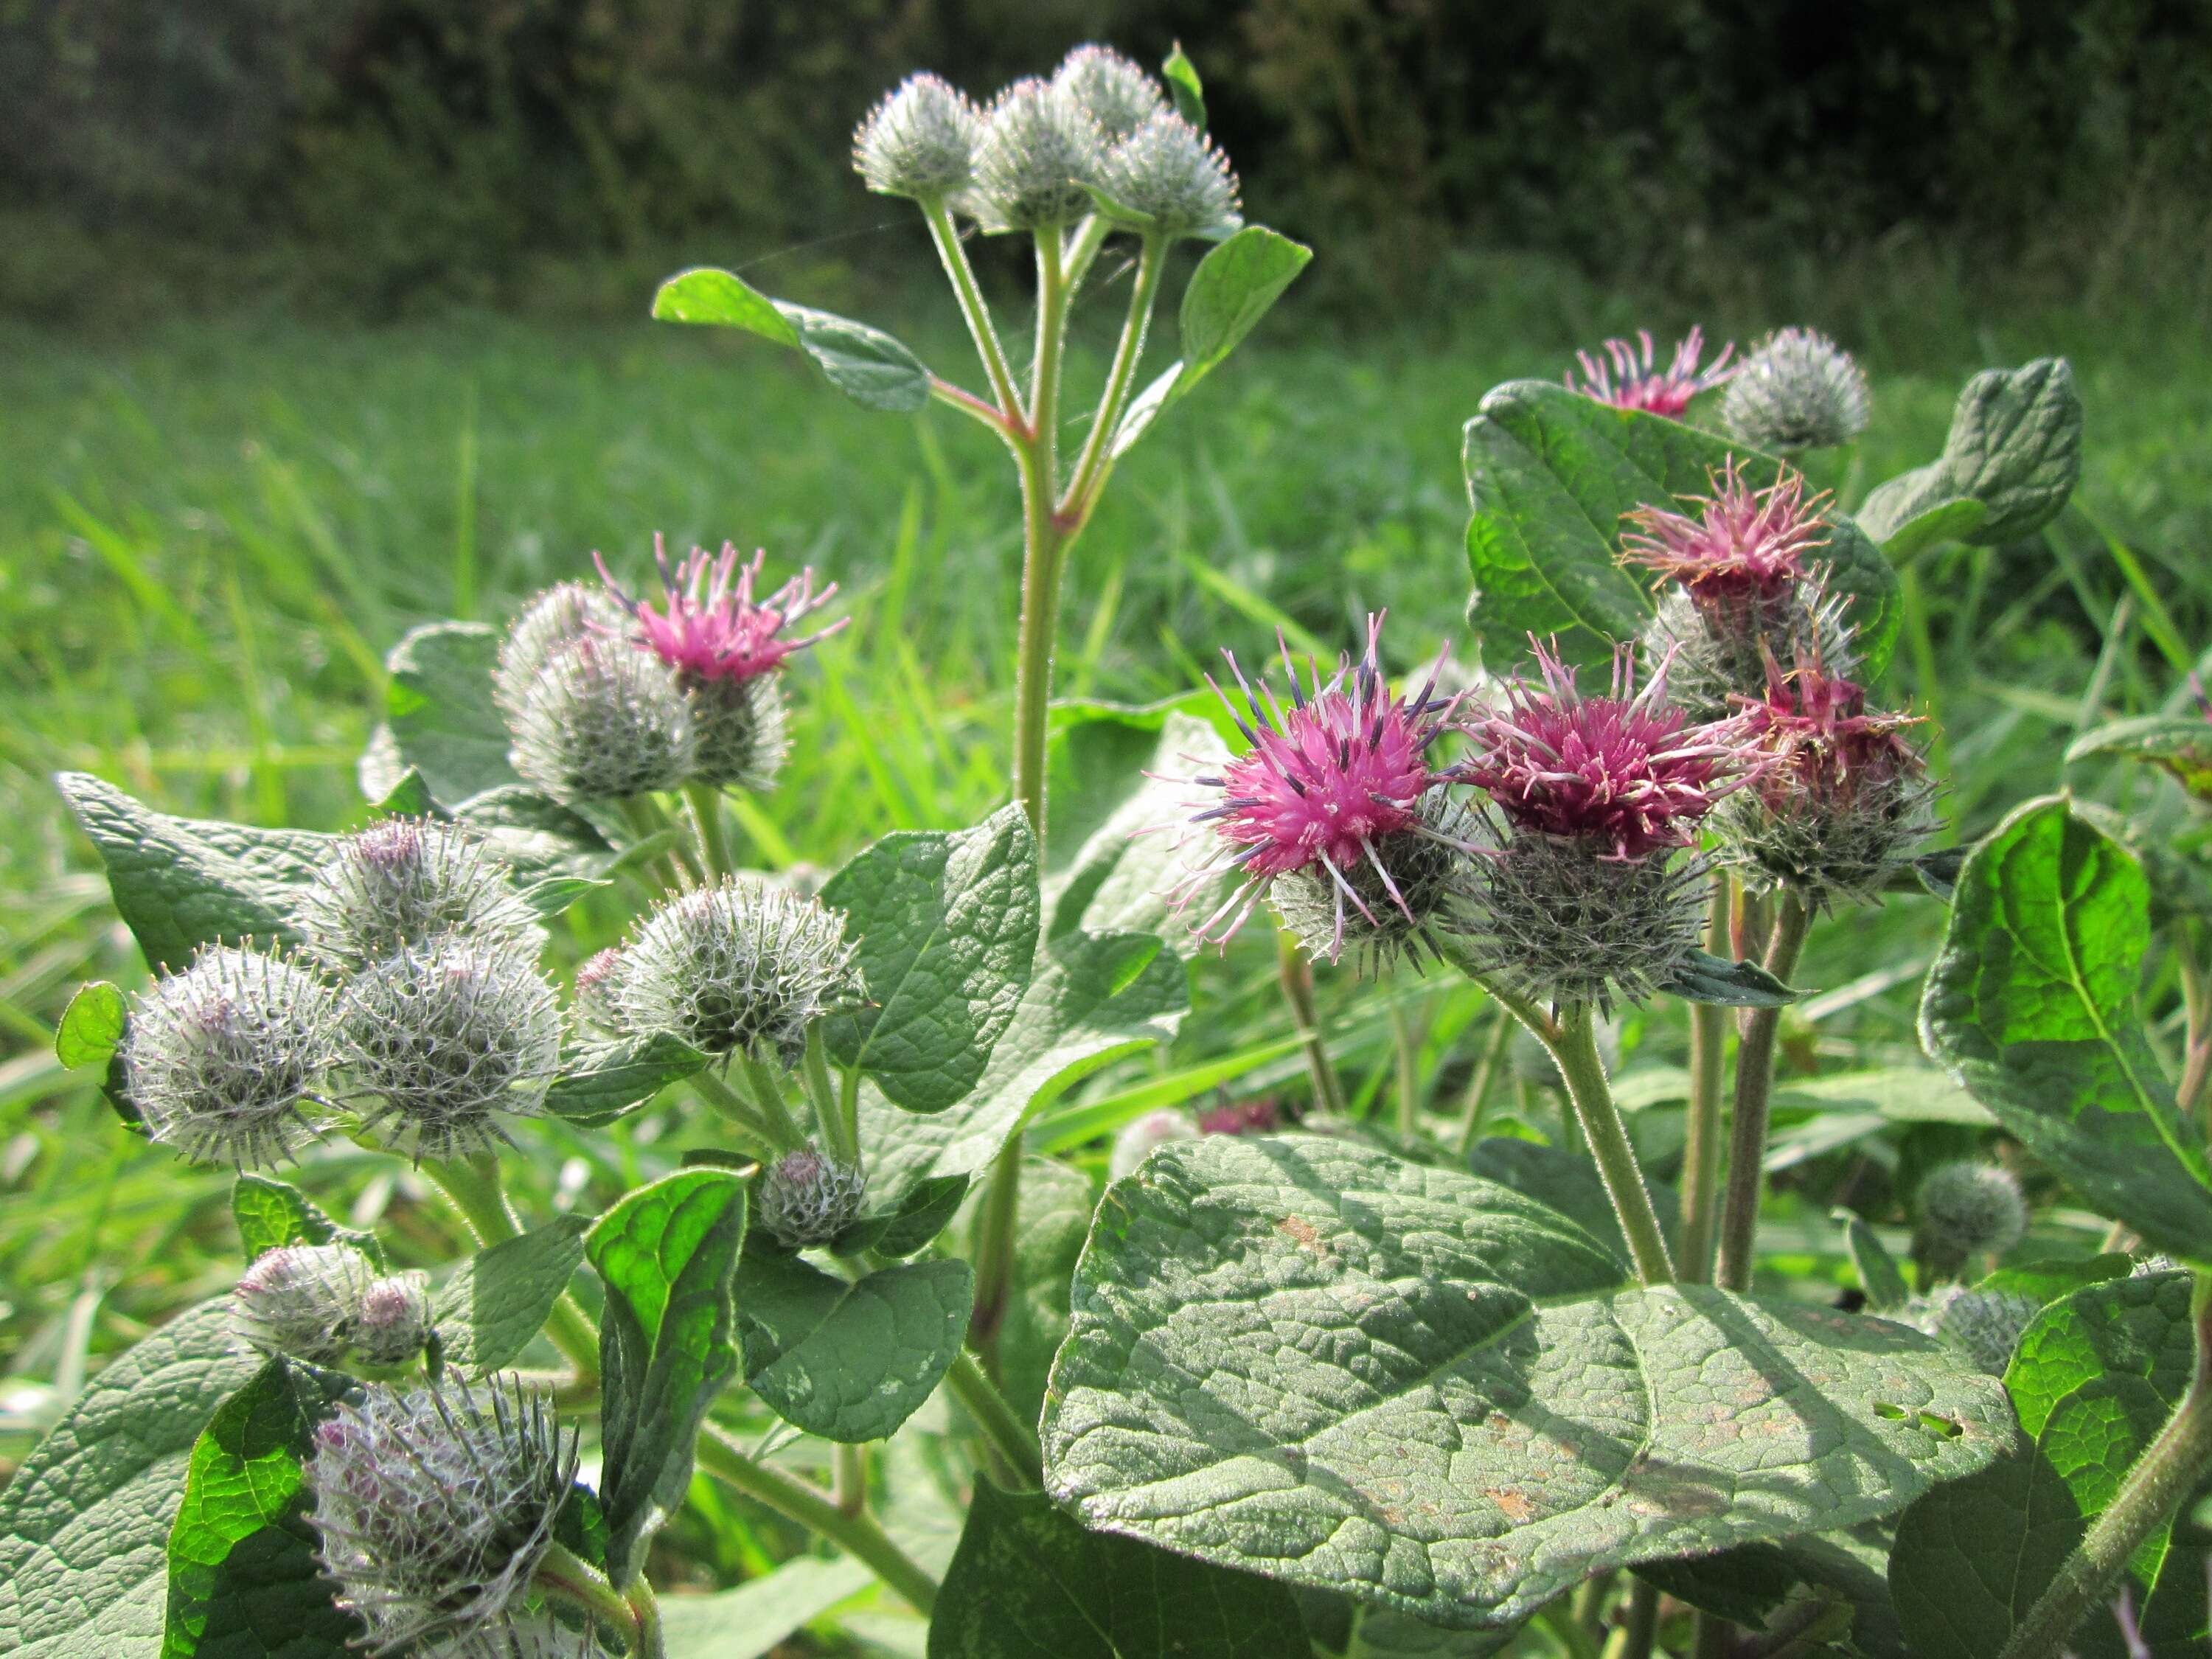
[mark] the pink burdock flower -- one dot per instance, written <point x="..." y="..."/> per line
<point x="1743" y="546"/>
<point x="1625" y="770"/>
<point x="711" y="625"/>
<point x="1628" y="375"/>
<point x="1329" y="791"/>
<point x="1262" y="1116"/>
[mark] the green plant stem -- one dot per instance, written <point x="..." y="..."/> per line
<point x="1701" y="1148"/>
<point x="1636" y="1633"/>
<point x="705" y="801"/>
<point x="849" y="1479"/>
<point x="645" y="1610"/>
<point x="1083" y="247"/>
<point x="861" y="1536"/>
<point x="1575" y="1051"/>
<point x="840" y="1135"/>
<point x="1754" y="1089"/>
<point x="645" y="821"/>
<point x="711" y="1086"/>
<point x="2172" y="1468"/>
<point x="1710" y="1636"/>
<point x="980" y="329"/>
<point x="1296" y="974"/>
<point x="1486" y="1073"/>
<point x="1012" y="1440"/>
<point x="1559" y="1620"/>
<point x="1090" y="466"/>
<point x="767" y="1093"/>
<point x="474" y="1187"/>
<point x="567" y="1576"/>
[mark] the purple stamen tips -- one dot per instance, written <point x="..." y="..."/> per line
<point x="710" y="624"/>
<point x="1627" y="376"/>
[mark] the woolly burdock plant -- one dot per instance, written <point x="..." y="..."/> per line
<point x="1334" y="813"/>
<point x="807" y="1198"/>
<point x="1041" y="148"/>
<point x="444" y="1040"/>
<point x="920" y="142"/>
<point x="743" y="966"/>
<point x="1580" y="897"/>
<point x="1626" y="373"/>
<point x="1800" y="390"/>
<point x="727" y="648"/>
<point x="560" y="616"/>
<point x="1169" y="177"/>
<point x="604" y="720"/>
<point x="325" y="1304"/>
<point x="1112" y="90"/>
<point x="406" y="881"/>
<point x="435" y="1506"/>
<point x="1966" y="1210"/>
<point x="227" y="1061"/>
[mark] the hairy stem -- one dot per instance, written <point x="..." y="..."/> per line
<point x="767" y="1093"/>
<point x="1754" y="1089"/>
<point x="1090" y="466"/>
<point x="565" y="1576"/>
<point x="1701" y="1149"/>
<point x="980" y="329"/>
<point x="2173" y="1466"/>
<point x="849" y="1479"/>
<point x="711" y="1086"/>
<point x="1013" y="1442"/>
<point x="705" y="801"/>
<point x="1298" y="990"/>
<point x="1486" y="1073"/>
<point x="645" y="1612"/>
<point x="861" y="1535"/>
<point x="474" y="1187"/>
<point x="839" y="1134"/>
<point x="645" y="821"/>
<point x="1575" y="1051"/>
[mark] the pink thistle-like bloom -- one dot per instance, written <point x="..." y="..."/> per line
<point x="1323" y="782"/>
<point x="1624" y="770"/>
<point x="1243" y="1117"/>
<point x="1628" y="376"/>
<point x="1743" y="546"/>
<point x="711" y="625"/>
<point x="1826" y="749"/>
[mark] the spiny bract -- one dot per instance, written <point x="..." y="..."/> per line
<point x="406" y="881"/>
<point x="1800" y="390"/>
<point x="920" y="141"/>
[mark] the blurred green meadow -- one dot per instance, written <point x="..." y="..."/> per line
<point x="211" y="533"/>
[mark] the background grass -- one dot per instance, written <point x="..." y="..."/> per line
<point x="211" y="532"/>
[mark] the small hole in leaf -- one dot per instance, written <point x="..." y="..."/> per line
<point x="1943" y="1426"/>
<point x="1894" y="1413"/>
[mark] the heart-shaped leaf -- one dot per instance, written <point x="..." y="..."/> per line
<point x="273" y="1213"/>
<point x="244" y="1581"/>
<point x="1550" y="473"/>
<point x="946" y="926"/>
<point x="498" y="1299"/>
<point x="1027" y="1580"/>
<point x="849" y="1361"/>
<point x="2015" y="449"/>
<point x="439" y="719"/>
<point x="1312" y="1359"/>
<point x="668" y="1254"/>
<point x="865" y="364"/>
<point x="2032" y="1005"/>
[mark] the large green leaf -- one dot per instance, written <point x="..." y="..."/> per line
<point x="2015" y="449"/>
<point x="2031" y="1005"/>
<point x="1753" y="1582"/>
<point x="947" y="932"/>
<point x="1117" y="880"/>
<point x="1568" y="1181"/>
<point x="244" y="1582"/>
<point x="1550" y="473"/>
<point x="439" y="719"/>
<point x="1028" y="1582"/>
<point x="849" y="1360"/>
<point x="865" y="364"/>
<point x="667" y="1253"/>
<point x="84" y="1525"/>
<point x="762" y="1613"/>
<point x="1309" y="1357"/>
<point x="597" y="1084"/>
<point x="183" y="882"/>
<point x="1098" y="997"/>
<point x="2094" y="1379"/>
<point x="498" y="1299"/>
<point x="273" y="1213"/>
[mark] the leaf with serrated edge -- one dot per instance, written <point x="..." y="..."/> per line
<point x="1096" y="998"/>
<point x="500" y="1298"/>
<point x="2032" y="1005"/>
<point x="2094" y="1378"/>
<point x="273" y="1213"/>
<point x="667" y="1254"/>
<point x="1028" y="1581"/>
<point x="1312" y="1359"/>
<point x="244" y="1581"/>
<point x="182" y="882"/>
<point x="946" y="926"/>
<point x="84" y="1524"/>
<point x="1550" y="472"/>
<point x="849" y="1361"/>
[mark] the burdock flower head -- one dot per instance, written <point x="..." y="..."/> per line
<point x="1800" y="390"/>
<point x="1171" y="180"/>
<point x="806" y="1199"/>
<point x="1111" y="89"/>
<point x="227" y="1060"/>
<point x="435" y="1506"/>
<point x="405" y="881"/>
<point x="1580" y="897"/>
<point x="726" y="645"/>
<point x="561" y="615"/>
<point x="325" y="1304"/>
<point x="1737" y="586"/>
<point x="1626" y="373"/>
<point x="1845" y="802"/>
<point x="1041" y="148"/>
<point x="604" y="720"/>
<point x="920" y="141"/>
<point x="1334" y="813"/>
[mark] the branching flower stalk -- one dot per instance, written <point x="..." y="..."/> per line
<point x="475" y="1188"/>
<point x="1754" y="1089"/>
<point x="1701" y="1151"/>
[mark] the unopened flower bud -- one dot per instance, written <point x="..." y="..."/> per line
<point x="1717" y="656"/>
<point x="1403" y="895"/>
<point x="303" y="1300"/>
<point x="1111" y="89"/>
<point x="807" y="1198"/>
<point x="605" y="720"/>
<point x="560" y="616"/>
<point x="1986" y="1325"/>
<point x="1566" y="920"/>
<point x="920" y="141"/>
<point x="1169" y="177"/>
<point x="444" y="1039"/>
<point x="595" y="985"/>
<point x="737" y="966"/>
<point x="1798" y="391"/>
<point x="1967" y="1210"/>
<point x="1039" y="151"/>
<point x="226" y="1060"/>
<point x="434" y="1507"/>
<point x="408" y="880"/>
<point x="395" y="1321"/>
<point x="1134" y="1144"/>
